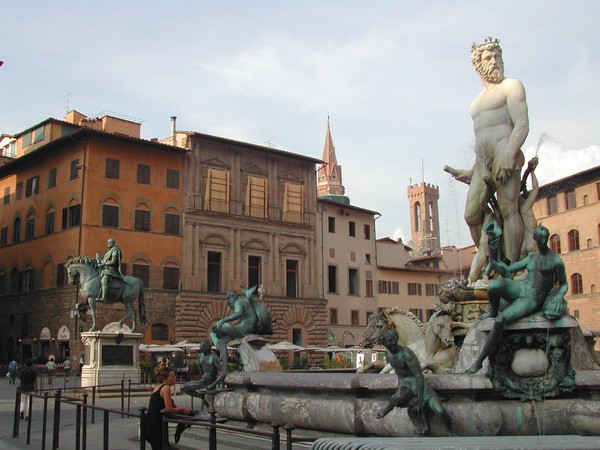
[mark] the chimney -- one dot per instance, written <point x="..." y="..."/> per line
<point x="173" y="129"/>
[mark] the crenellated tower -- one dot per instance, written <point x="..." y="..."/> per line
<point x="424" y="219"/>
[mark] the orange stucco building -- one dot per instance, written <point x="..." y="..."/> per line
<point x="69" y="186"/>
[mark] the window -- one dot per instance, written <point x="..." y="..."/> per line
<point x="142" y="271"/>
<point x="333" y="316"/>
<point x="354" y="317"/>
<point x="112" y="168"/>
<point x="293" y="203"/>
<point x="142" y="220"/>
<point x="256" y="197"/>
<point x="576" y="284"/>
<point x="14" y="280"/>
<point x="32" y="186"/>
<point x="26" y="140"/>
<point x="431" y="290"/>
<point x="552" y="203"/>
<point x="143" y="174"/>
<point x="172" y="224"/>
<point x="52" y="178"/>
<point x="573" y="240"/>
<point x="71" y="216"/>
<point x="417" y="210"/>
<point x="368" y="258"/>
<point x="351" y="229"/>
<point x="49" y="226"/>
<point x="110" y="216"/>
<point x="217" y="191"/>
<point x="74" y="173"/>
<point x="331" y="224"/>
<point x="4" y="236"/>
<point x="30" y="228"/>
<point x="6" y="195"/>
<point x="16" y="230"/>
<point x="576" y="313"/>
<point x="367" y="230"/>
<point x="369" y="288"/>
<point x="61" y="275"/>
<point x="26" y="280"/>
<point x="352" y="281"/>
<point x="160" y="332"/>
<point x="254" y="272"/>
<point x="332" y="279"/>
<point x="297" y="336"/>
<point x="414" y="288"/>
<point x="555" y="243"/>
<point x="172" y="179"/>
<point x="38" y="135"/>
<point x="19" y="190"/>
<point x="214" y="272"/>
<point x="430" y="214"/>
<point x="367" y="316"/>
<point x="291" y="278"/>
<point x="570" y="199"/>
<point x="171" y="278"/>
<point x="382" y="287"/>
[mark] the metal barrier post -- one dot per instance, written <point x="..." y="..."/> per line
<point x="212" y="433"/>
<point x="93" y="404"/>
<point x="84" y="423"/>
<point x="165" y="432"/>
<point x="56" y="425"/>
<point x="122" y="397"/>
<point x="129" y="397"/>
<point x="276" y="436"/>
<point x="105" y="430"/>
<point x="142" y="427"/>
<point x="30" y="406"/>
<point x="78" y="428"/>
<point x="17" y="415"/>
<point x="288" y="436"/>
<point x="44" y="420"/>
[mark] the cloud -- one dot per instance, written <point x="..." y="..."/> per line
<point x="556" y="162"/>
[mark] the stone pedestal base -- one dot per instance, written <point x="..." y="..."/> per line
<point x="256" y="356"/>
<point x="109" y="358"/>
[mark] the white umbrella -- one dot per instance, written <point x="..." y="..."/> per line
<point x="285" y="345"/>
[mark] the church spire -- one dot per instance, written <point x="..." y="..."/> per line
<point x="330" y="173"/>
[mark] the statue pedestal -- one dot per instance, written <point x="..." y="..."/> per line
<point x="256" y="356"/>
<point x="110" y="357"/>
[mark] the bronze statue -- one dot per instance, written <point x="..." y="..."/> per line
<point x="209" y="365"/>
<point x="88" y="272"/>
<point x="110" y="268"/>
<point x="413" y="392"/>
<point x="253" y="318"/>
<point x="532" y="294"/>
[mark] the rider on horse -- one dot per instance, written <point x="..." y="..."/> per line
<point x="110" y="268"/>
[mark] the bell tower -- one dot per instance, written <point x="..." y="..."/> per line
<point x="329" y="175"/>
<point x="424" y="219"/>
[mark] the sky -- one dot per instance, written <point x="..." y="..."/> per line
<point x="393" y="78"/>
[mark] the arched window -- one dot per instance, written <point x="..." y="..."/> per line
<point x="417" y="216"/>
<point x="430" y="215"/>
<point x="576" y="284"/>
<point x="30" y="226"/>
<point x="573" y="240"/>
<point x="110" y="214"/>
<point x="16" y="230"/>
<point x="142" y="217"/>
<point x="555" y="243"/>
<point x="160" y="332"/>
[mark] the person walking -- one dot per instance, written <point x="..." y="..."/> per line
<point x="12" y="371"/>
<point x="28" y="378"/>
<point x="51" y="368"/>
<point x="67" y="366"/>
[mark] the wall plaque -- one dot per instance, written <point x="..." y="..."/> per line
<point x="117" y="355"/>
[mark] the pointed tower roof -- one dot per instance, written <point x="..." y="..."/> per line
<point x="329" y="175"/>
